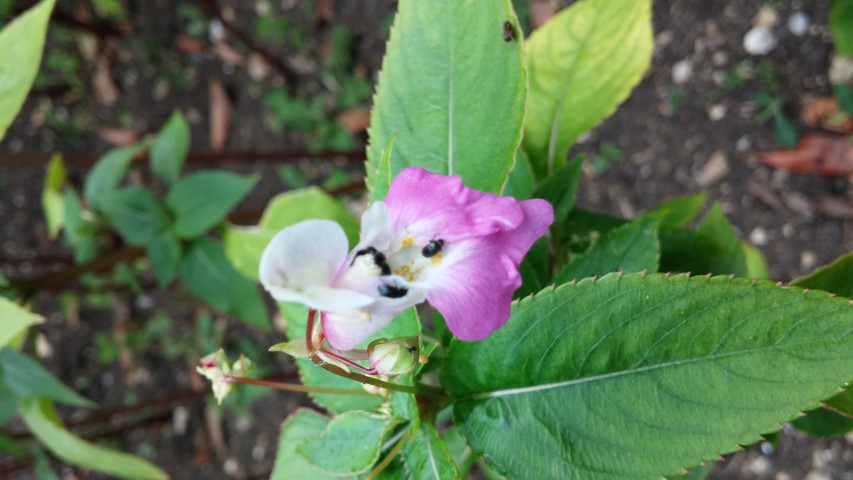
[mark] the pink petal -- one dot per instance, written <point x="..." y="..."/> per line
<point x="345" y="331"/>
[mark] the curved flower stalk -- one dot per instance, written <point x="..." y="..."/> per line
<point x="431" y="239"/>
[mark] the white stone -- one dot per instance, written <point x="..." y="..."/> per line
<point x="766" y="17"/>
<point x="714" y="170"/>
<point x="759" y="41"/>
<point x="808" y="260"/>
<point x="682" y="71"/>
<point x="759" y="237"/>
<point x="798" y="23"/>
<point x="717" y="112"/>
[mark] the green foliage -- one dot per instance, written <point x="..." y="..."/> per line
<point x="520" y="183"/>
<point x="657" y="372"/>
<point x="202" y="199"/>
<point x="51" y="196"/>
<point x="354" y="437"/>
<point x="841" y="26"/>
<point x="79" y="228"/>
<point x="835" y="277"/>
<point x="716" y="227"/>
<point x="26" y="378"/>
<point x="434" y="95"/>
<point x="583" y="63"/>
<point x="633" y="247"/>
<point x="42" y="420"/>
<point x="302" y="425"/>
<point x="170" y="148"/>
<point x="15" y="321"/>
<point x="22" y="42"/>
<point x="426" y="456"/>
<point x="136" y="213"/>
<point x="244" y="246"/>
<point x="678" y="212"/>
<point x="609" y="153"/>
<point x="105" y="177"/>
<point x="207" y="274"/>
<point x="560" y="187"/>
<point x="381" y="182"/>
<point x="164" y="255"/>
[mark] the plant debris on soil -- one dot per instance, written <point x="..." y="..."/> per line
<point x="293" y="79"/>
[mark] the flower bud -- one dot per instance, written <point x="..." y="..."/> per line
<point x="295" y="348"/>
<point x="216" y="368"/>
<point x="394" y="357"/>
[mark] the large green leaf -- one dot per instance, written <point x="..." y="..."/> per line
<point x="202" y="199"/>
<point x="26" y="378"/>
<point x="452" y="91"/>
<point x="245" y="245"/>
<point x="106" y="175"/>
<point x="206" y="272"/>
<point x="42" y="420"/>
<point x="583" y="63"/>
<point x="295" y="315"/>
<point x="21" y="42"/>
<point x="639" y="376"/>
<point x="560" y="188"/>
<point x="348" y="445"/>
<point x="136" y="214"/>
<point x="426" y="456"/>
<point x="15" y="320"/>
<point x="164" y="255"/>
<point x="170" y="148"/>
<point x="836" y="277"/>
<point x="288" y="464"/>
<point x="633" y="247"/>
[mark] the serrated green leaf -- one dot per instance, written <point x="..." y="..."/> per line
<point x="836" y="277"/>
<point x="700" y="472"/>
<point x="209" y="276"/>
<point x="583" y="63"/>
<point x="295" y="316"/>
<point x="42" y="420"/>
<point x="823" y="422"/>
<point x="633" y="247"/>
<point x="685" y="250"/>
<point x="245" y="245"/>
<point x="107" y="173"/>
<point x="426" y="457"/>
<point x="136" y="214"/>
<point x="289" y="465"/>
<point x="202" y="199"/>
<point x="79" y="231"/>
<point x="21" y="42"/>
<point x="164" y="255"/>
<point x="658" y="373"/>
<point x="560" y="187"/>
<point x="51" y="196"/>
<point x="520" y="183"/>
<point x="348" y="445"/>
<point x="455" y="109"/>
<point x="15" y="320"/>
<point x="26" y="378"/>
<point x="170" y="148"/>
<point x="678" y="212"/>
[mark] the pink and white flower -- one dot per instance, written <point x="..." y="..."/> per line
<point x="431" y="239"/>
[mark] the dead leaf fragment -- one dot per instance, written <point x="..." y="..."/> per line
<point x="715" y="169"/>
<point x="823" y="112"/>
<point x="106" y="91"/>
<point x="817" y="153"/>
<point x="324" y="12"/>
<point x="541" y="11"/>
<point x="228" y="54"/>
<point x="118" y="136"/>
<point x="354" y="120"/>
<point x="220" y="115"/>
<point x="188" y="44"/>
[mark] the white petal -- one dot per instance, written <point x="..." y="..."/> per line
<point x="307" y="254"/>
<point x="374" y="227"/>
<point x="322" y="298"/>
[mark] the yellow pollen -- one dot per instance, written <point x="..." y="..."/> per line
<point x="436" y="258"/>
<point x="408" y="242"/>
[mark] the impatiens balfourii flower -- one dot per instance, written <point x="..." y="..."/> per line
<point x="431" y="239"/>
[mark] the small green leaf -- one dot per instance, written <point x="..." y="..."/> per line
<point x="700" y="472"/>
<point x="659" y="373"/>
<point x="521" y="182"/>
<point x="15" y="320"/>
<point x="560" y="188"/>
<point x="840" y="21"/>
<point x="756" y="266"/>
<point x="42" y="420"/>
<point x="678" y="212"/>
<point x="584" y="228"/>
<point x="107" y="174"/>
<point x="202" y="199"/>
<point x="301" y="425"/>
<point x="21" y="42"/>
<point x="348" y="445"/>
<point x="51" y="197"/>
<point x="685" y="251"/>
<point x="136" y="214"/>
<point x="79" y="231"/>
<point x="382" y="180"/>
<point x="823" y="422"/>
<point x="26" y="378"/>
<point x="209" y="276"/>
<point x="633" y="247"/>
<point x="426" y="456"/>
<point x="245" y="245"/>
<point x="583" y="63"/>
<point x="835" y="277"/>
<point x="534" y="269"/>
<point x="170" y="148"/>
<point x="164" y="254"/>
<point x="439" y="95"/>
<point x="716" y="226"/>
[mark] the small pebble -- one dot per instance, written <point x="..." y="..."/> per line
<point x="788" y="230"/>
<point x="759" y="41"/>
<point x="759" y="465"/>
<point x="717" y="112"/>
<point x="759" y="237"/>
<point x="815" y="475"/>
<point x="720" y="58"/>
<point x="808" y="260"/>
<point x="714" y="170"/>
<point x="682" y="71"/>
<point x="798" y="24"/>
<point x="743" y="144"/>
<point x="782" y="476"/>
<point x="766" y="17"/>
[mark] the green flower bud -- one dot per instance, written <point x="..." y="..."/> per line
<point x="394" y="357"/>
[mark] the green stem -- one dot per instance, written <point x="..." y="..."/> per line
<point x="295" y="387"/>
<point x="415" y="390"/>
<point x="390" y="457"/>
